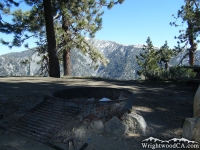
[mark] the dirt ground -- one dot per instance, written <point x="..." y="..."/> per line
<point x="164" y="106"/>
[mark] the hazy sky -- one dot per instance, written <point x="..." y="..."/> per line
<point x="131" y="23"/>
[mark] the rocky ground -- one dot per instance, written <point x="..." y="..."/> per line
<point x="164" y="106"/>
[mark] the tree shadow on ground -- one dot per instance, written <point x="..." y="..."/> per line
<point x="164" y="105"/>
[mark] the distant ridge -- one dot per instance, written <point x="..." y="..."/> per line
<point x="122" y="65"/>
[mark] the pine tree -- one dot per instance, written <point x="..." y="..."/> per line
<point x="72" y="21"/>
<point x="190" y="14"/>
<point x="79" y="17"/>
<point x="147" y="60"/>
<point x="28" y="22"/>
<point x="165" y="54"/>
<point x="83" y="17"/>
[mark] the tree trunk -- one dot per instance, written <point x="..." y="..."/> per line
<point x="66" y="63"/>
<point x="166" y="65"/>
<point x="66" y="52"/>
<point x="193" y="45"/>
<point x="54" y="68"/>
<point x="191" y="57"/>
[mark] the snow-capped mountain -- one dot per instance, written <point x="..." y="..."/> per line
<point x="122" y="63"/>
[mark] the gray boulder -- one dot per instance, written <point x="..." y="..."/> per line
<point x="135" y="122"/>
<point x="191" y="129"/>
<point x="114" y="125"/>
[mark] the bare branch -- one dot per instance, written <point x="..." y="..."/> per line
<point x="56" y="16"/>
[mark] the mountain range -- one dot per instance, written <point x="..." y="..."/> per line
<point x="122" y="62"/>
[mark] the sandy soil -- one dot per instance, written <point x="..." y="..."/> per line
<point x="164" y="106"/>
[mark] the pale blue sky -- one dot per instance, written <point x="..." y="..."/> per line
<point x="131" y="23"/>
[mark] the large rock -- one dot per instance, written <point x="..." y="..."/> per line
<point x="196" y="104"/>
<point x="97" y="126"/>
<point x="196" y="131"/>
<point x="115" y="126"/>
<point x="135" y="122"/>
<point x="191" y="129"/>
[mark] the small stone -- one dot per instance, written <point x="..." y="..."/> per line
<point x="97" y="126"/>
<point x="79" y="132"/>
<point x="115" y="126"/>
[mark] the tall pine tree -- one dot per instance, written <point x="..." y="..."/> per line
<point x="190" y="14"/>
<point x="148" y="60"/>
<point x="79" y="18"/>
